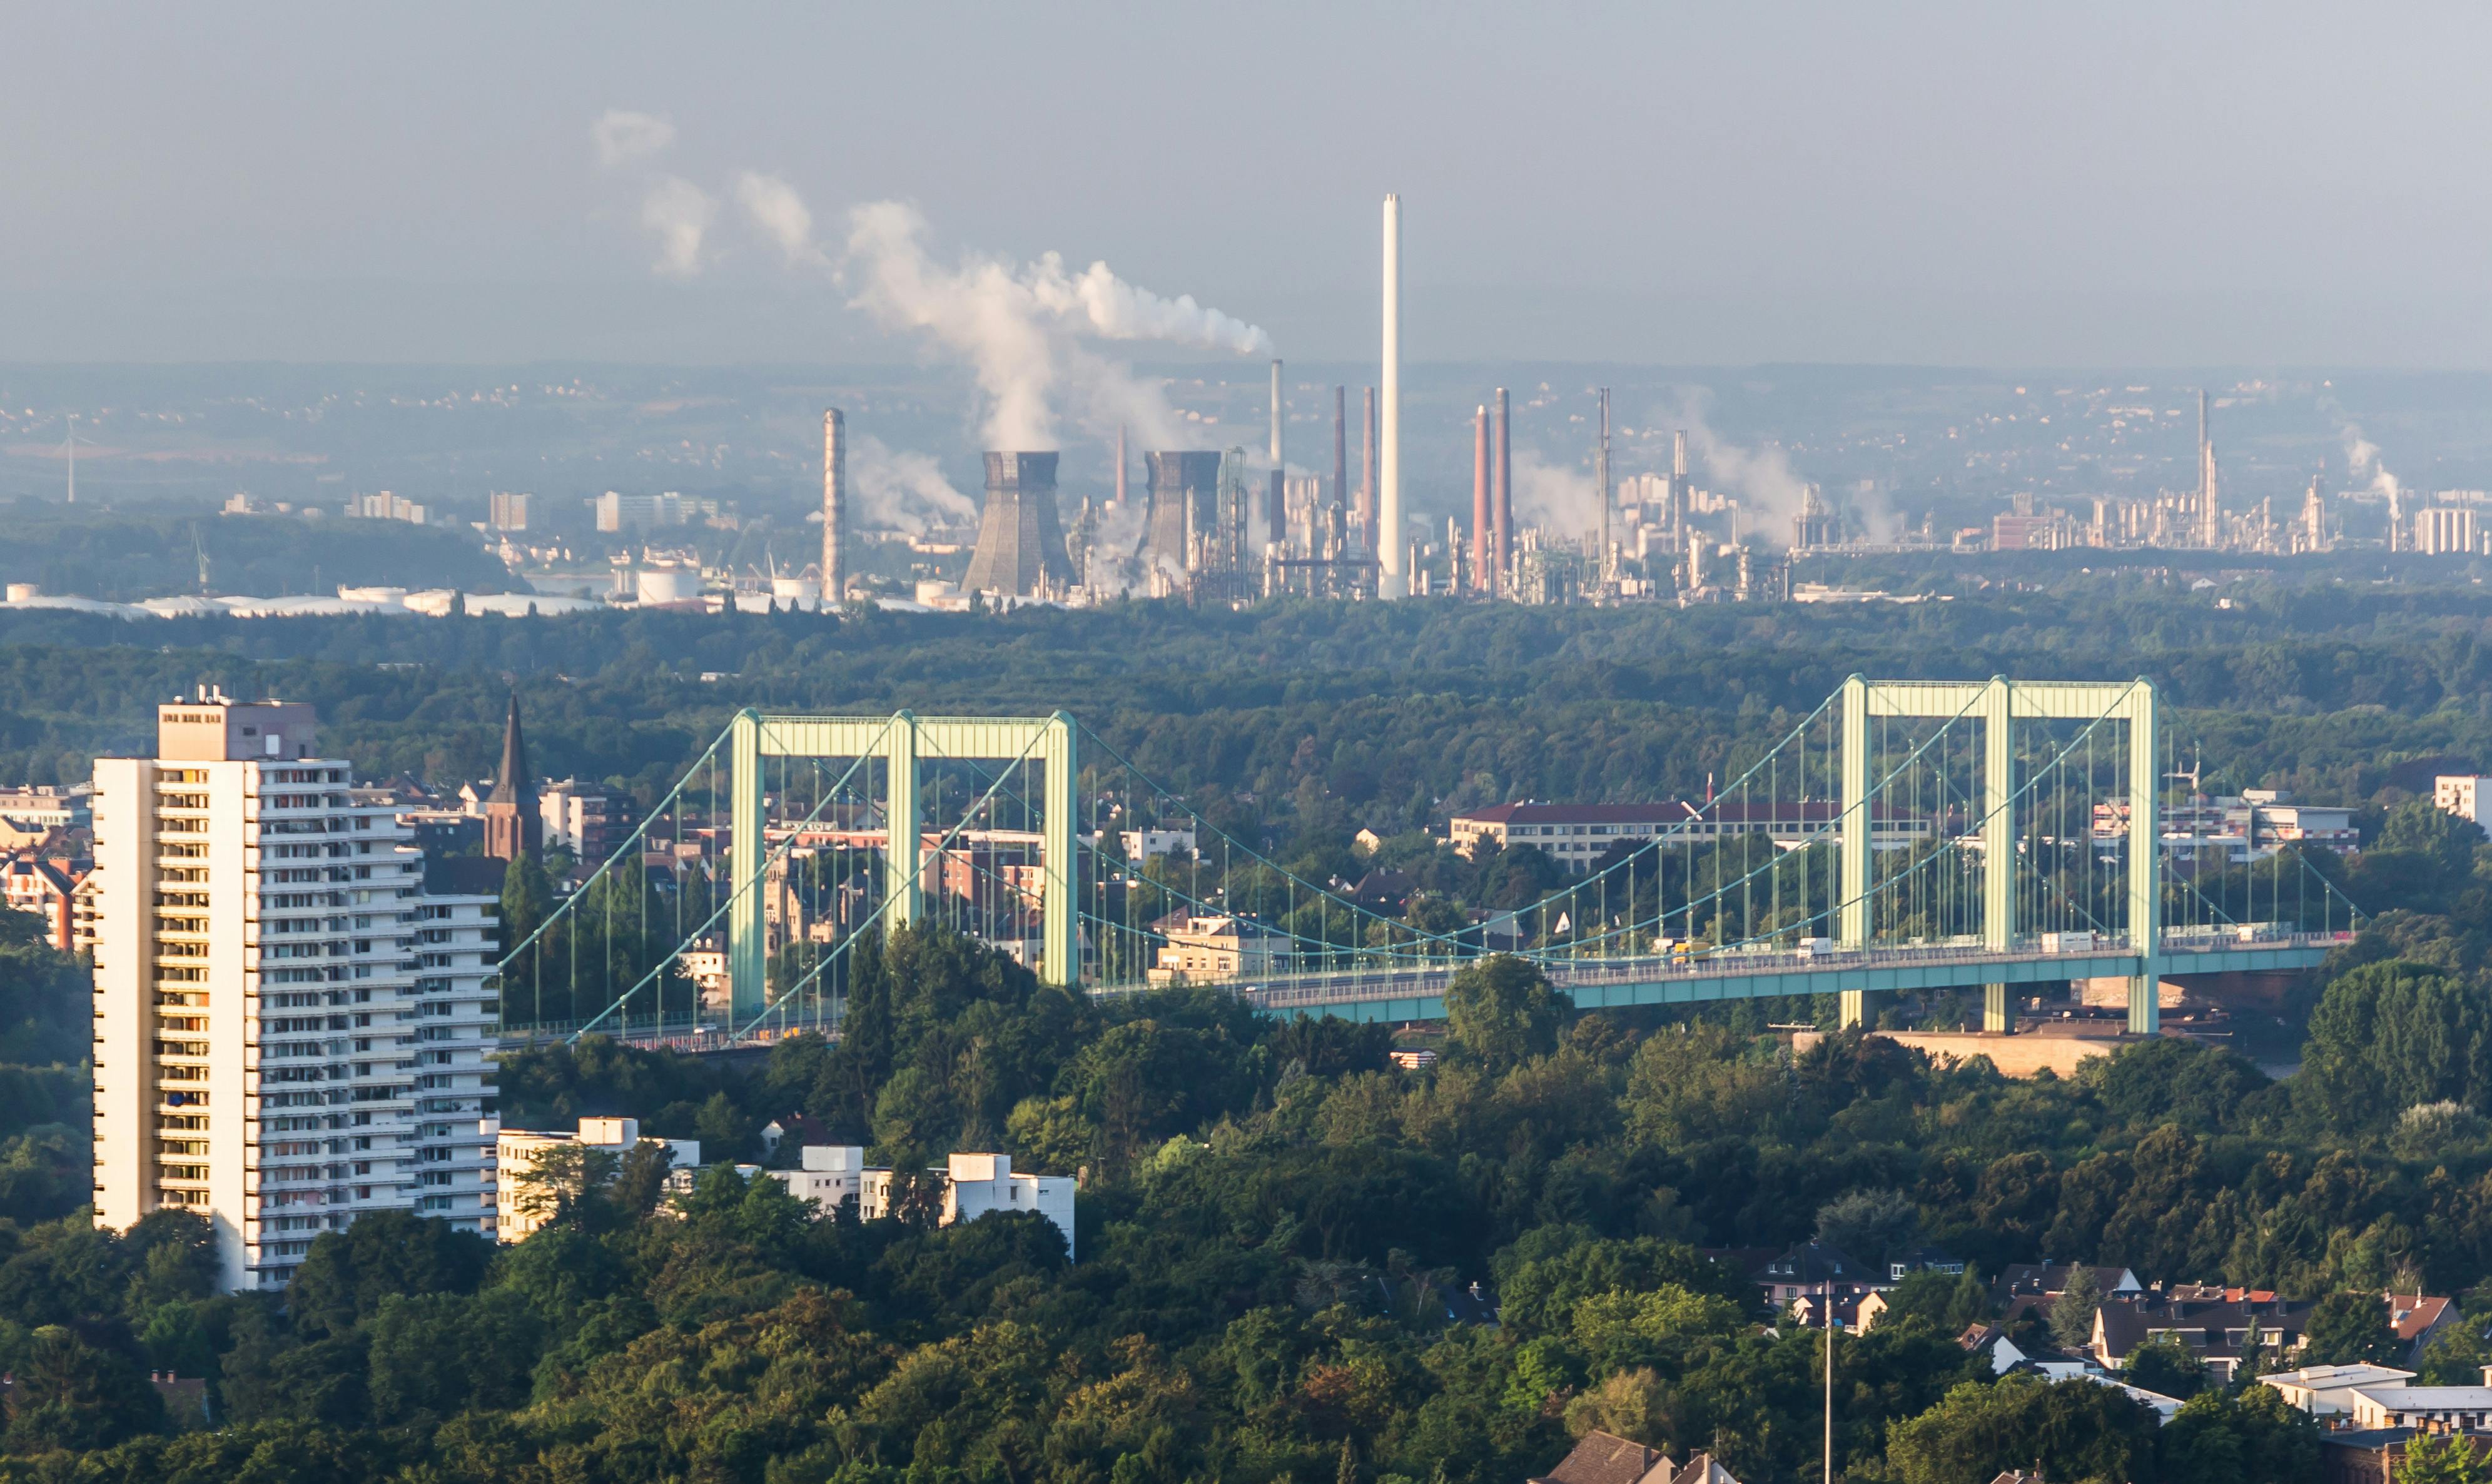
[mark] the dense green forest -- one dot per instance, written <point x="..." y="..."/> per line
<point x="1270" y="1216"/>
<point x="1368" y="714"/>
<point x="1272" y="1213"/>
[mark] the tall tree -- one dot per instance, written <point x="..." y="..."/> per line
<point x="2072" y="1313"/>
<point x="1501" y="1010"/>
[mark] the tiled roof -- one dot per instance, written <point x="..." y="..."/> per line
<point x="1603" y="1459"/>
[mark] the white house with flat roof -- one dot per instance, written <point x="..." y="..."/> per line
<point x="2327" y="1390"/>
<point x="973" y="1185"/>
<point x="2457" y="1409"/>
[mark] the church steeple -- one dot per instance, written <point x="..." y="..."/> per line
<point x="511" y="820"/>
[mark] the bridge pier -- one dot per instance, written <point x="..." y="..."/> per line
<point x="1997" y="1011"/>
<point x="1854" y="1008"/>
<point x="2145" y="1006"/>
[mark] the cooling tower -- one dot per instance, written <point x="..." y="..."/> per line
<point x="1021" y="542"/>
<point x="1184" y="495"/>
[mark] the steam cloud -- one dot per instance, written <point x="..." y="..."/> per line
<point x="1029" y="332"/>
<point x="1023" y="328"/>
<point x="679" y="213"/>
<point x="2363" y="459"/>
<point x="902" y="491"/>
<point x="1553" y="496"/>
<point x="1769" y="491"/>
<point x="778" y="212"/>
<point x="623" y="136"/>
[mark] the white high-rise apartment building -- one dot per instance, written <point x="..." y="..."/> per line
<point x="290" y="1029"/>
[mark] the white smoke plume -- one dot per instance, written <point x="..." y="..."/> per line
<point x="1762" y="480"/>
<point x="1552" y="496"/>
<point x="679" y="214"/>
<point x="623" y="136"/>
<point x="1115" y="567"/>
<point x="2363" y="463"/>
<point x="977" y="310"/>
<point x="1023" y="328"/>
<point x="1118" y="310"/>
<point x="778" y="212"/>
<point x="902" y="491"/>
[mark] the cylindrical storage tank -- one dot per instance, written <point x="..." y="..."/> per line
<point x="673" y="585"/>
<point x="803" y="592"/>
<point x="23" y="592"/>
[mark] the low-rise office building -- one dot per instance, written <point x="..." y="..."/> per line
<point x="972" y="1186"/>
<point x="518" y="1152"/>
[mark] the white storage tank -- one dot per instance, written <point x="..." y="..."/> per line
<point x="670" y="584"/>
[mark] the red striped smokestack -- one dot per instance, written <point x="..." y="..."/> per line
<point x="1480" y="533"/>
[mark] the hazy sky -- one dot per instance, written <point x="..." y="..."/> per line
<point x="2140" y="185"/>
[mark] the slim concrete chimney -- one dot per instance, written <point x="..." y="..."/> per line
<point x="1276" y="497"/>
<point x="2210" y="509"/>
<point x="1277" y="450"/>
<point x="1394" y="581"/>
<point x="1367" y="480"/>
<point x="1678" y="492"/>
<point x="1481" y="535"/>
<point x="835" y="507"/>
<point x="1340" y="446"/>
<point x="1608" y="494"/>
<point x="1502" y="498"/>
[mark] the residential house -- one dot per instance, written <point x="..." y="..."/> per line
<point x="2022" y="1286"/>
<point x="2417" y="1317"/>
<point x="1210" y="949"/>
<point x="2053" y="1365"/>
<point x="1385" y="893"/>
<point x="1812" y="1268"/>
<point x="1601" y="1458"/>
<point x="2007" y="1355"/>
<point x="1853" y="1307"/>
<point x="1923" y="1260"/>
<point x="797" y="1126"/>
<point x="2221" y="1326"/>
<point x="45" y="888"/>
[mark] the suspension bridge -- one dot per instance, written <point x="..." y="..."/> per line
<point x="1905" y="837"/>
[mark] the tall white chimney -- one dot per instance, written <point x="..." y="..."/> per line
<point x="1276" y="412"/>
<point x="835" y="507"/>
<point x="1394" y="581"/>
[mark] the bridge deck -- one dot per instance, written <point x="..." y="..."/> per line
<point x="1418" y="992"/>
